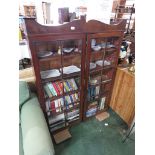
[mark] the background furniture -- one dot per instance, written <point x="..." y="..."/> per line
<point x="123" y="95"/>
<point x="66" y="52"/>
<point x="126" y="12"/>
<point x="34" y="137"/>
<point x="29" y="11"/>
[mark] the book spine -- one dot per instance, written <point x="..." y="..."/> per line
<point x="76" y="96"/>
<point x="102" y="103"/>
<point x="56" y="89"/>
<point x="66" y="87"/>
<point x="53" y="107"/>
<point x="47" y="90"/>
<point x="59" y="104"/>
<point x="50" y="86"/>
<point x="62" y="102"/>
<point x="66" y="103"/>
<point x="56" y="105"/>
<point x="60" y="87"/>
<point x="69" y="85"/>
<point x="74" y="84"/>
<point x="97" y="90"/>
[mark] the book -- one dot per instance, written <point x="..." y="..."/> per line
<point x="56" y="105"/>
<point x="53" y="107"/>
<point x="102" y="103"/>
<point x="72" y="101"/>
<point x="76" y="96"/>
<point x="72" y="81"/>
<point x="60" y="87"/>
<point x="92" y="92"/>
<point x="62" y="102"/>
<point x="69" y="85"/>
<point x="54" y="119"/>
<point x="97" y="90"/>
<point x="59" y="105"/>
<point x="56" y="89"/>
<point x="57" y="127"/>
<point x="48" y="107"/>
<point x="48" y="92"/>
<point x="66" y="103"/>
<point x="51" y="88"/>
<point x="66" y="87"/>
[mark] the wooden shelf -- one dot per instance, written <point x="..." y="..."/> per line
<point x="99" y="68"/>
<point x="57" y="56"/>
<point x="100" y="83"/>
<point x="62" y="95"/>
<point x="62" y="77"/>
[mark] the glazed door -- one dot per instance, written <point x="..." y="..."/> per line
<point x="101" y="62"/>
<point x="60" y="68"/>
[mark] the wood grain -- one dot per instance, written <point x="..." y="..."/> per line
<point x="123" y="95"/>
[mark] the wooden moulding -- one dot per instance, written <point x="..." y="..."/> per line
<point x="76" y="26"/>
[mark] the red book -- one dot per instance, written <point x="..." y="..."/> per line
<point x="53" y="107"/>
<point x="60" y="87"/>
<point x="56" y="89"/>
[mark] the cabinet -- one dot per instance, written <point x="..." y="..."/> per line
<point x="62" y="57"/>
<point x="123" y="96"/>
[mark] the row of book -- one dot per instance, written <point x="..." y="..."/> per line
<point x="58" y="105"/>
<point x="58" y="121"/>
<point x="56" y="88"/>
<point x="100" y="106"/>
<point x="93" y="91"/>
<point x="73" y="115"/>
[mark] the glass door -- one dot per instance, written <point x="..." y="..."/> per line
<point x="102" y="57"/>
<point x="61" y="74"/>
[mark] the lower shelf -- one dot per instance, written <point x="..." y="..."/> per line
<point x="98" y="112"/>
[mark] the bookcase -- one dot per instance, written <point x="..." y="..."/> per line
<point x="72" y="82"/>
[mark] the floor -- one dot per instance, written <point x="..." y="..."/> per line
<point x="94" y="138"/>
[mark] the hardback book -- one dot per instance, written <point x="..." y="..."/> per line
<point x="56" y="105"/>
<point x="48" y="107"/>
<point x="53" y="107"/>
<point x="59" y="105"/>
<point x="66" y="87"/>
<point x="59" y="86"/>
<point x="57" y="127"/>
<point x="48" y="92"/>
<point x="54" y="119"/>
<point x="50" y="86"/>
<point x="56" y="89"/>
<point x="69" y="85"/>
<point x="102" y="103"/>
<point x="73" y="84"/>
<point x="97" y="90"/>
<point x="76" y="96"/>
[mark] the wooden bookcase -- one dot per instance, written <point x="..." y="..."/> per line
<point x="70" y="53"/>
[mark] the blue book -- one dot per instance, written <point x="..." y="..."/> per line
<point x="89" y="93"/>
<point x="71" y="100"/>
<point x="69" y="85"/>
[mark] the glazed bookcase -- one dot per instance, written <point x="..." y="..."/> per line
<point x="65" y="59"/>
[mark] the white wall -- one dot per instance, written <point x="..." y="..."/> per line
<point x="96" y="9"/>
